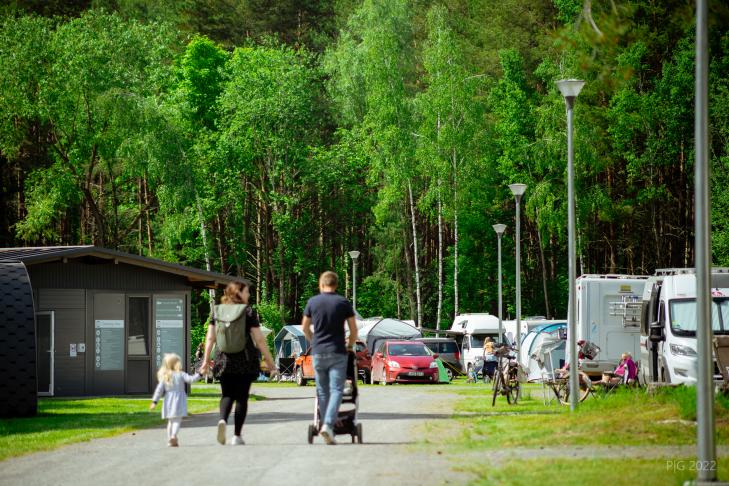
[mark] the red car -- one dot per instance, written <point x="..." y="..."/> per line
<point x="403" y="362"/>
<point x="304" y="364"/>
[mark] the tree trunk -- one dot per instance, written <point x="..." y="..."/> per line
<point x="440" y="259"/>
<point x="204" y="234"/>
<point x="455" y="233"/>
<point x="544" y="270"/>
<point x="149" y="223"/>
<point x="415" y="256"/>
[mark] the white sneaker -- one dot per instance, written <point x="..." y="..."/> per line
<point x="236" y="440"/>
<point x="221" y="432"/>
<point x="328" y="435"/>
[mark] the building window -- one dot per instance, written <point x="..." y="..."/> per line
<point x="138" y="341"/>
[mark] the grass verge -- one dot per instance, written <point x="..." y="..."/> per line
<point x="627" y="417"/>
<point x="66" y="421"/>
<point x="577" y="472"/>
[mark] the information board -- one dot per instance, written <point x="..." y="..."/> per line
<point x="109" y="345"/>
<point x="169" y="327"/>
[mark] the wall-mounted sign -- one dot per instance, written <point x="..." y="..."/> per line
<point x="108" y="345"/>
<point x="169" y="327"/>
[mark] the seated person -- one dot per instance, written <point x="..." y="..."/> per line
<point x="625" y="372"/>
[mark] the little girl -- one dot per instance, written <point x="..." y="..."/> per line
<point x="172" y="382"/>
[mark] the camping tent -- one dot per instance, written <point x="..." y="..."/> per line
<point x="387" y="328"/>
<point x="289" y="340"/>
<point x="540" y="342"/>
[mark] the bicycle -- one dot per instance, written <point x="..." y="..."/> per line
<point x="559" y="381"/>
<point x="506" y="376"/>
<point x="560" y="385"/>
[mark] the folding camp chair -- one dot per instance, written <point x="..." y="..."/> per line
<point x="721" y="353"/>
<point x="286" y="368"/>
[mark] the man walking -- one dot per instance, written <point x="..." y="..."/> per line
<point x="323" y="326"/>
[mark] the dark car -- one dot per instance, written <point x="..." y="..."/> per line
<point x="448" y="352"/>
<point x="364" y="361"/>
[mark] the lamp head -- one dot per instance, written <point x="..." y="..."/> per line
<point x="570" y="88"/>
<point x="499" y="228"/>
<point x="517" y="190"/>
<point x="354" y="254"/>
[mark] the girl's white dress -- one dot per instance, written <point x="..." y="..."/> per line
<point x="175" y="403"/>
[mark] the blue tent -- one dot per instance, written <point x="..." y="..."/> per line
<point x="289" y="340"/>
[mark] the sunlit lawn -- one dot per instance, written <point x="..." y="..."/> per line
<point x="624" y="418"/>
<point x="65" y="421"/>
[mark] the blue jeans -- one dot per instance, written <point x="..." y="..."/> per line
<point x="331" y="371"/>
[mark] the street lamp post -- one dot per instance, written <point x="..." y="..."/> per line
<point x="705" y="426"/>
<point x="570" y="88"/>
<point x="518" y="191"/>
<point x="354" y="254"/>
<point x="499" y="228"/>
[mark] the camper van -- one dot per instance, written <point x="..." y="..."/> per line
<point x="668" y="324"/>
<point x="608" y="315"/>
<point x="470" y="331"/>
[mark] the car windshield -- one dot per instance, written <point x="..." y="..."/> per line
<point x="414" y="349"/>
<point x="683" y="316"/>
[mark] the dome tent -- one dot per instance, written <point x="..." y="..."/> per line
<point x="538" y="345"/>
<point x="387" y="328"/>
<point x="289" y="340"/>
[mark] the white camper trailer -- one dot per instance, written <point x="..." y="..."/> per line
<point x="470" y="331"/>
<point x="607" y="316"/>
<point x="669" y="323"/>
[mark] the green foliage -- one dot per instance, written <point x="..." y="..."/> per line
<point x="267" y="145"/>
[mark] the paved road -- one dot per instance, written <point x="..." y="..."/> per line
<point x="276" y="451"/>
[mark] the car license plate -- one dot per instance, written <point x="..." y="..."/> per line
<point x="416" y="373"/>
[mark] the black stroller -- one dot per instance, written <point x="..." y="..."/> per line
<point x="347" y="417"/>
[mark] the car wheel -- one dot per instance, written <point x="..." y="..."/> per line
<point x="300" y="380"/>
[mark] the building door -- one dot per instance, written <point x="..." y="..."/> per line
<point x="139" y="352"/>
<point x="44" y="324"/>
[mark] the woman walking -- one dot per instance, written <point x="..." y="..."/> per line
<point x="236" y="369"/>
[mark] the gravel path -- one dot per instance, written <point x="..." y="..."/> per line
<point x="276" y="451"/>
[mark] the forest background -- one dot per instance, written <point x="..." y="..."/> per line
<point x="266" y="139"/>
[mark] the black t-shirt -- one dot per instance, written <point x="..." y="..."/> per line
<point x="328" y="312"/>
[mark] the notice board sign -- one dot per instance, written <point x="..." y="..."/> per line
<point x="109" y="345"/>
<point x="169" y="327"/>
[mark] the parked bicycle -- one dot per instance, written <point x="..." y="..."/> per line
<point x="559" y="380"/>
<point x="506" y="375"/>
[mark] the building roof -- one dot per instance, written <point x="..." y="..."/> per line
<point x="44" y="254"/>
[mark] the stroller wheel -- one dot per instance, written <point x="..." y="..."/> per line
<point x="359" y="433"/>
<point x="311" y="434"/>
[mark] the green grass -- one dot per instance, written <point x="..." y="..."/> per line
<point x="66" y="421"/>
<point x="567" y="472"/>
<point x="624" y="418"/>
<point x="627" y="417"/>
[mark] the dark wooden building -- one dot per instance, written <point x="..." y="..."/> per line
<point x="104" y="319"/>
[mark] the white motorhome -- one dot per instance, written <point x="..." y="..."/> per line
<point x="608" y="315"/>
<point x="470" y="331"/>
<point x="668" y="324"/>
